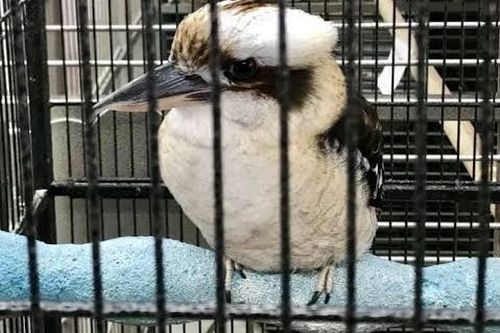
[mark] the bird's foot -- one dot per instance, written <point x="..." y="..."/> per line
<point x="230" y="267"/>
<point x="324" y="285"/>
<point x="239" y="269"/>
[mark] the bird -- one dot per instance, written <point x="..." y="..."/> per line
<point x="250" y="142"/>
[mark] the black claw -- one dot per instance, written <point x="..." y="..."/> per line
<point x="228" y="296"/>
<point x="328" y="296"/>
<point x="314" y="298"/>
<point x="242" y="274"/>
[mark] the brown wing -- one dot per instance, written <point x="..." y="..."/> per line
<point x="370" y="145"/>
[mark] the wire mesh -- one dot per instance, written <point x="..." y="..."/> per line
<point x="435" y="121"/>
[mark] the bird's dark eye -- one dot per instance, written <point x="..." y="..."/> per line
<point x="242" y="70"/>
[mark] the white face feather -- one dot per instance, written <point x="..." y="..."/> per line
<point x="255" y="34"/>
<point x="252" y="32"/>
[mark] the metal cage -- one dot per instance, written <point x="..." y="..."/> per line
<point x="62" y="181"/>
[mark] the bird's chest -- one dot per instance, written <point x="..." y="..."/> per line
<point x="251" y="200"/>
<point x="250" y="183"/>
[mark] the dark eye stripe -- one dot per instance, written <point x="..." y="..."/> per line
<point x="265" y="83"/>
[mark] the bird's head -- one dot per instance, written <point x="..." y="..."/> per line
<point x="248" y="73"/>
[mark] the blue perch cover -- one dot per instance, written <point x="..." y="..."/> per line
<point x="128" y="275"/>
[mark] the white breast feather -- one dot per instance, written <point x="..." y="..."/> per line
<point x="251" y="193"/>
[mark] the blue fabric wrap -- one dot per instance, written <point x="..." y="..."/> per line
<point x="128" y="275"/>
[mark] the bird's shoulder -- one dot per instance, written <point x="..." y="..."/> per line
<point x="369" y="147"/>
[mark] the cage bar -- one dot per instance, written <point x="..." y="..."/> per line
<point x="420" y="188"/>
<point x="91" y="162"/>
<point x="353" y="88"/>
<point x="486" y="131"/>
<point x="153" y="124"/>
<point x="284" y="103"/>
<point x="26" y="161"/>
<point x="214" y="64"/>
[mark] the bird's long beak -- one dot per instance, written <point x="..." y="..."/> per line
<point x="174" y="88"/>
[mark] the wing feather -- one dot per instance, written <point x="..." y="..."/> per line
<point x="370" y="145"/>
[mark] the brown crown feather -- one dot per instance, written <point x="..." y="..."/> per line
<point x="191" y="42"/>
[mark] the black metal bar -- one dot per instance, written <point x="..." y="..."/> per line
<point x="376" y="48"/>
<point x="494" y="10"/>
<point x="359" y="39"/>
<point x="130" y="118"/>
<point x="333" y="314"/>
<point x="394" y="190"/>
<point x="5" y="221"/>
<point x="154" y="123"/>
<point x="284" y="102"/>
<point x="409" y="78"/>
<point x="485" y="130"/>
<point x="397" y="111"/>
<point x="220" y="316"/>
<point x="65" y="83"/>
<point x="443" y="82"/>
<point x="420" y="185"/>
<point x="107" y="189"/>
<point x="13" y="122"/>
<point x="115" y="126"/>
<point x="460" y="88"/>
<point x="393" y="88"/>
<point x="38" y="87"/>
<point x="4" y="207"/>
<point x="26" y="162"/>
<point x="400" y="100"/>
<point x="16" y="123"/>
<point x="404" y="110"/>
<point x="352" y="138"/>
<point x="91" y="163"/>
<point x="496" y="233"/>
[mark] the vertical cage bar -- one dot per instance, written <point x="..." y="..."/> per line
<point x="6" y="137"/>
<point x="352" y="143"/>
<point x="38" y="90"/>
<point x="408" y="89"/>
<point x="154" y="122"/>
<point x="496" y="232"/>
<point x="4" y="206"/>
<point x="444" y="89"/>
<point x="91" y="162"/>
<point x="26" y="161"/>
<point x="393" y="89"/>
<point x="475" y="163"/>
<point x="5" y="221"/>
<point x="284" y="102"/>
<point x="485" y="130"/>
<point x="38" y="84"/>
<point x="14" y="111"/>
<point x="420" y="166"/>
<point x="214" y="65"/>
<point x="65" y="82"/>
<point x="460" y="86"/>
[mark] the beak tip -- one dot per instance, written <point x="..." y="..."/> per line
<point x="99" y="109"/>
<point x="100" y="105"/>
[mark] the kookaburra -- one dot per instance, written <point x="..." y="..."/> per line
<point x="248" y="34"/>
